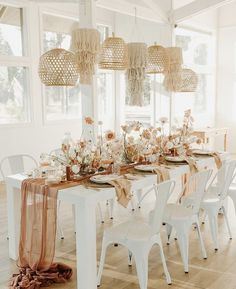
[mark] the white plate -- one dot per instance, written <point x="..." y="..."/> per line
<point x="103" y="179"/>
<point x="175" y="159"/>
<point x="202" y="152"/>
<point x="146" y="168"/>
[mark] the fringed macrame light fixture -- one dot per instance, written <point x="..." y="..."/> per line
<point x="86" y="45"/>
<point x="158" y="60"/>
<point x="137" y="63"/>
<point x="113" y="54"/>
<point x="172" y="80"/>
<point x="57" y="67"/>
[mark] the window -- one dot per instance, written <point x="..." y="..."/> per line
<point x="14" y="92"/>
<point x="13" y="95"/>
<point x="105" y="99"/>
<point x="61" y="103"/>
<point x="105" y="90"/>
<point x="199" y="54"/>
<point x="11" y="30"/>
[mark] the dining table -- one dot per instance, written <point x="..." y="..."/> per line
<point x="85" y="200"/>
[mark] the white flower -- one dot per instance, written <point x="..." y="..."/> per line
<point x="75" y="169"/>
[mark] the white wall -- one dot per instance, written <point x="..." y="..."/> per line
<point x="226" y="80"/>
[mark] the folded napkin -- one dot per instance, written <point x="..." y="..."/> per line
<point x="192" y="164"/>
<point x="217" y="159"/>
<point x="123" y="190"/>
<point x="163" y="173"/>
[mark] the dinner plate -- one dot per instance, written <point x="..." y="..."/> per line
<point x="146" y="168"/>
<point x="176" y="159"/>
<point x="103" y="179"/>
<point x="202" y="152"/>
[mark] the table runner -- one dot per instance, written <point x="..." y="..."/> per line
<point x="37" y="236"/>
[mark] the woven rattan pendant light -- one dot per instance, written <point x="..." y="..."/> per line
<point x="158" y="60"/>
<point x="189" y="80"/>
<point x="113" y="54"/>
<point x="57" y="67"/>
<point x="86" y="45"/>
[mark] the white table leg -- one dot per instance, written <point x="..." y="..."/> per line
<point x="13" y="214"/>
<point x="85" y="213"/>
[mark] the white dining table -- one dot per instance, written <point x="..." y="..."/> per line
<point x="85" y="201"/>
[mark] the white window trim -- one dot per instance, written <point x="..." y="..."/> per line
<point x="21" y="61"/>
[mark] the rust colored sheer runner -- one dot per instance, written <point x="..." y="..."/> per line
<point x="37" y="236"/>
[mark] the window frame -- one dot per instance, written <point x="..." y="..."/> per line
<point x="23" y="61"/>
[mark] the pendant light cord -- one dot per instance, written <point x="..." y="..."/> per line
<point x="136" y="30"/>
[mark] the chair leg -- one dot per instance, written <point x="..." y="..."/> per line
<point x="183" y="240"/>
<point x="100" y="212"/>
<point x="102" y="261"/>
<point x="141" y="261"/>
<point x="132" y="202"/>
<point x="227" y="222"/>
<point x="168" y="231"/>
<point x="130" y="255"/>
<point x="214" y="230"/>
<point x="111" y="208"/>
<point x="139" y="196"/>
<point x="163" y="259"/>
<point x="204" y="254"/>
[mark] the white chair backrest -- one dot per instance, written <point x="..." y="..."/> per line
<point x="16" y="164"/>
<point x="163" y="192"/>
<point x="225" y="176"/>
<point x="198" y="183"/>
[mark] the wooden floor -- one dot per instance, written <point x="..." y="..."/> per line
<point x="217" y="272"/>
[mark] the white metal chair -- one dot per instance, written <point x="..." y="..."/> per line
<point x="139" y="236"/>
<point x="16" y="164"/>
<point x="216" y="198"/>
<point x="181" y="217"/>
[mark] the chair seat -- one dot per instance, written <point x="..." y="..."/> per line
<point x="211" y="196"/>
<point x="177" y="212"/>
<point x="136" y="230"/>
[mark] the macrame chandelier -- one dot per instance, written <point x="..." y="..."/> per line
<point x="57" y="67"/>
<point x="172" y="80"/>
<point x="158" y="60"/>
<point x="113" y="54"/>
<point x="137" y="63"/>
<point x="86" y="46"/>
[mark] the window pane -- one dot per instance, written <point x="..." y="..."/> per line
<point x="62" y="103"/>
<point x="11" y="31"/>
<point x="106" y="108"/>
<point x="14" y="100"/>
<point x="198" y="53"/>
<point x="56" y="40"/>
<point x="104" y="32"/>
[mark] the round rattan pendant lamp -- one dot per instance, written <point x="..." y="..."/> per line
<point x="189" y="80"/>
<point x="158" y="60"/>
<point x="113" y="54"/>
<point x="57" y="67"/>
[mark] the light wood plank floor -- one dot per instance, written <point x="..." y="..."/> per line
<point x="217" y="272"/>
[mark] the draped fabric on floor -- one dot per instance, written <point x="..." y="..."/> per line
<point x="37" y="237"/>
